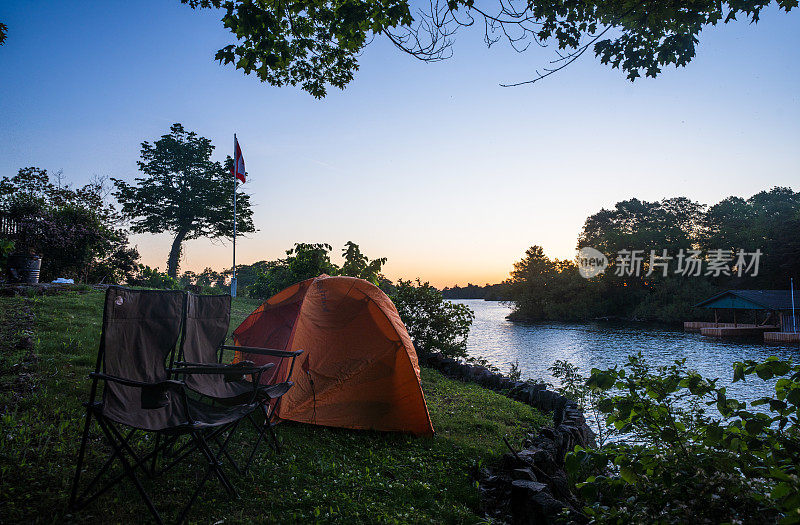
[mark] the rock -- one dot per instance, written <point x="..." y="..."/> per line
<point x="546" y="506"/>
<point x="524" y="509"/>
<point x="524" y="474"/>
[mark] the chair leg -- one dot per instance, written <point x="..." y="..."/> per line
<point x="269" y="415"/>
<point x="185" y="510"/>
<point x="81" y="452"/>
<point x="266" y="427"/>
<point x="261" y="432"/>
<point x="228" y="456"/>
<point x="272" y="433"/>
<point x="100" y="472"/>
<point x="155" y="455"/>
<point x="187" y="448"/>
<point x="129" y="471"/>
<point x="124" y="444"/>
<point x="214" y="460"/>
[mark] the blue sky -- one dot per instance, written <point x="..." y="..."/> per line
<point x="434" y="166"/>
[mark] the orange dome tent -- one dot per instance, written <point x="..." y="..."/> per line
<point x="358" y="369"/>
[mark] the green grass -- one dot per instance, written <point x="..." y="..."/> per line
<point x="323" y="474"/>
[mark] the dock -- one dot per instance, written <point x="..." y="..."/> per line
<point x="696" y="326"/>
<point x="782" y="337"/>
<point x="740" y="330"/>
<point x="772" y="312"/>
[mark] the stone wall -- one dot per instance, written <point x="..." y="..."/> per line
<point x="530" y="485"/>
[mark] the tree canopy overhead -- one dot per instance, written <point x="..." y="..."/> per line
<point x="316" y="43"/>
<point x="183" y="192"/>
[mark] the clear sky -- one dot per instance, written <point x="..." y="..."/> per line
<point x="434" y="166"/>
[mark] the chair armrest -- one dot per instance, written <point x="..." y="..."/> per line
<point x="194" y="363"/>
<point x="222" y="366"/>
<point x="263" y="351"/>
<point x="240" y="368"/>
<point x="131" y="382"/>
<point x="153" y="395"/>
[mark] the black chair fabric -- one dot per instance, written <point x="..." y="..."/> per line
<point x="204" y="333"/>
<point x="140" y="332"/>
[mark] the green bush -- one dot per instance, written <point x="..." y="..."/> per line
<point x="75" y="230"/>
<point x="690" y="453"/>
<point x="148" y="277"/>
<point x="305" y="261"/>
<point x="434" y="324"/>
<point x="6" y="249"/>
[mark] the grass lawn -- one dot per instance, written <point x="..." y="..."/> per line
<point x="323" y="474"/>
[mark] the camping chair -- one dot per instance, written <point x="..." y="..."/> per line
<point x="140" y="329"/>
<point x="205" y="329"/>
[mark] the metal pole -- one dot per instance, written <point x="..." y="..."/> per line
<point x="794" y="319"/>
<point x="235" y="180"/>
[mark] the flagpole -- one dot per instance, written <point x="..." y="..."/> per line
<point x="235" y="167"/>
<point x="794" y="319"/>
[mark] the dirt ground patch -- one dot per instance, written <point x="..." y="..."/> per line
<point x="18" y="360"/>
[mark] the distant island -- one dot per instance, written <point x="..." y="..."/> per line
<point x="488" y="292"/>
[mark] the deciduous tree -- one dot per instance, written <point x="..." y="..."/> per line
<point x="183" y="192"/>
<point x="316" y="43"/>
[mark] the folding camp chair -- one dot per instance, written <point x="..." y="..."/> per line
<point x="205" y="329"/>
<point x="140" y="330"/>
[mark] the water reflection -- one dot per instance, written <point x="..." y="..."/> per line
<point x="602" y="345"/>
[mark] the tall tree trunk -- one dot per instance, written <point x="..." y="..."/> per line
<point x="175" y="254"/>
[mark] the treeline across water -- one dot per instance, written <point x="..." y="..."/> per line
<point x="489" y="292"/>
<point x="722" y="240"/>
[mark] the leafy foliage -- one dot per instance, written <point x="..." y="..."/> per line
<point x="356" y="264"/>
<point x="435" y="325"/>
<point x="302" y="262"/>
<point x="76" y="231"/>
<point x="208" y="281"/>
<point x="573" y="385"/>
<point x="489" y="292"/>
<point x="542" y="288"/>
<point x="183" y="192"/>
<point x="305" y="261"/>
<point x="771" y="219"/>
<point x="316" y="43"/>
<point x="690" y="452"/>
<point x="313" y="43"/>
<point x="6" y="248"/>
<point x="147" y="277"/>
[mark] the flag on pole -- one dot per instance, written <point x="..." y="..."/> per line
<point x="238" y="161"/>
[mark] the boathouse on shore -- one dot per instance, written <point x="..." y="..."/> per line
<point x="771" y="315"/>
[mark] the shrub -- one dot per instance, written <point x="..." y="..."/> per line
<point x="75" y="230"/>
<point x="678" y="463"/>
<point x="6" y="249"/>
<point x="148" y="277"/>
<point x="305" y="261"/>
<point x="433" y="323"/>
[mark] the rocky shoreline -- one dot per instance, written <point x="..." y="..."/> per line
<point x="529" y="485"/>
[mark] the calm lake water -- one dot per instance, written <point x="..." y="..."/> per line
<point x="604" y="344"/>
